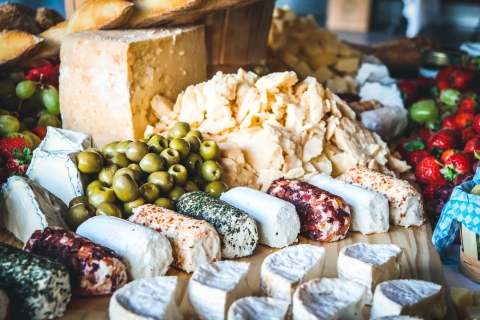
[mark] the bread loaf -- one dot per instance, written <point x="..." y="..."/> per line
<point x="16" y="45"/>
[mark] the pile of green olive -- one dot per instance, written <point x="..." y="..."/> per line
<point x="156" y="169"/>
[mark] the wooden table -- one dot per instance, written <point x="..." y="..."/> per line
<point x="420" y="261"/>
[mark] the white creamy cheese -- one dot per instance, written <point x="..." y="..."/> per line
<point x="61" y="139"/>
<point x="252" y="308"/>
<point x="370" y="264"/>
<point x="329" y="299"/>
<point x="277" y="220"/>
<point x="215" y="286"/>
<point x="27" y="207"/>
<point x="418" y="298"/>
<point x="146" y="253"/>
<point x="145" y="299"/>
<point x="369" y="209"/>
<point x="284" y="270"/>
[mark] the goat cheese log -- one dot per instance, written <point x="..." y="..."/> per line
<point x="37" y="287"/>
<point x="406" y="205"/>
<point x="194" y="242"/>
<point x="94" y="269"/>
<point x="237" y="230"/>
<point x="323" y="216"/>
<point x="146" y="253"/>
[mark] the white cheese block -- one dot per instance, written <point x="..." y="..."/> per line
<point x="113" y="75"/>
<point x="146" y="253"/>
<point x="418" y="298"/>
<point x="215" y="286"/>
<point x="27" y="206"/>
<point x="370" y="264"/>
<point x="387" y="94"/>
<point x="329" y="299"/>
<point x="145" y="299"/>
<point x="58" y="173"/>
<point x="61" y="139"/>
<point x="277" y="220"/>
<point x="252" y="308"/>
<point x="283" y="271"/>
<point x="369" y="209"/>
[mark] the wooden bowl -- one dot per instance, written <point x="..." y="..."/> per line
<point x="469" y="267"/>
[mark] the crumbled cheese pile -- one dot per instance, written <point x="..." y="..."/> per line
<point x="275" y="126"/>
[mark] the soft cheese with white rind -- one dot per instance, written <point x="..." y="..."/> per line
<point x="329" y="299"/>
<point x="251" y="308"/>
<point x="369" y="209"/>
<point x="417" y="298"/>
<point x="215" y="286"/>
<point x="283" y="271"/>
<point x="370" y="264"/>
<point x="277" y="220"/>
<point x="145" y="299"/>
<point x="58" y="173"/>
<point x="146" y="253"/>
<point x="62" y="139"/>
<point x="27" y="207"/>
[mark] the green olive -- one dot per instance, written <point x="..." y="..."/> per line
<point x="77" y="200"/>
<point x="108" y="209"/>
<point x="136" y="167"/>
<point x="196" y="133"/>
<point x="199" y="181"/>
<point x="171" y="157"/>
<point x="129" y="206"/>
<point x="152" y="162"/>
<point x="209" y="150"/>
<point x="89" y="162"/>
<point x="101" y="195"/>
<point x="211" y="171"/>
<point x="94" y="185"/>
<point x="194" y="142"/>
<point x="179" y="130"/>
<point x="107" y="174"/>
<point x="109" y="148"/>
<point x="191" y="186"/>
<point x="132" y="173"/>
<point x="136" y="150"/>
<point x="122" y="146"/>
<point x="179" y="174"/>
<point x="165" y="203"/>
<point x="125" y="188"/>
<point x="150" y="192"/>
<point x="149" y="136"/>
<point x="157" y="144"/>
<point x="216" y="188"/>
<point x="193" y="162"/>
<point x="144" y="140"/>
<point x="162" y="179"/>
<point x="176" y="193"/>
<point x="182" y="146"/>
<point x="94" y="150"/>
<point x="118" y="158"/>
<point x="78" y="214"/>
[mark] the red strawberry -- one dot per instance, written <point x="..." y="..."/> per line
<point x="40" y="132"/>
<point x="423" y="82"/>
<point x="476" y="123"/>
<point x="9" y="144"/>
<point x="467" y="134"/>
<point x="428" y="170"/>
<point x="19" y="161"/>
<point x="425" y="134"/>
<point x="441" y="141"/>
<point x="447" y="153"/>
<point x="450" y="122"/>
<point x="472" y="145"/>
<point x="409" y="90"/>
<point x="417" y="156"/>
<point x="456" y="164"/>
<point x="408" y="145"/>
<point x="464" y="119"/>
<point x="468" y="104"/>
<point x="444" y="74"/>
<point x="41" y="73"/>
<point x="428" y="191"/>
<point x="439" y="87"/>
<point x="462" y="78"/>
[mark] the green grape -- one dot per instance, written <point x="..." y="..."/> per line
<point x="16" y="75"/>
<point x="7" y="87"/>
<point x="424" y="110"/>
<point x="29" y="122"/>
<point x="8" y="124"/>
<point x="450" y="97"/>
<point x="51" y="100"/>
<point x="47" y="120"/>
<point x="37" y="99"/>
<point x="25" y="89"/>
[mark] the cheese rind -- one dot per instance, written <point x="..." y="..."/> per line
<point x="277" y="220"/>
<point x="251" y="308"/>
<point x="284" y="270"/>
<point x="370" y="264"/>
<point x="61" y="139"/>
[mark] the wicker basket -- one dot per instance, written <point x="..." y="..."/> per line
<point x="469" y="263"/>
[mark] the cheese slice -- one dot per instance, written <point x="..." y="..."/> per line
<point x="113" y="75"/>
<point x="409" y="297"/>
<point x="370" y="264"/>
<point x="146" y="253"/>
<point x="369" y="209"/>
<point x="27" y="207"/>
<point x="277" y="220"/>
<point x="329" y="299"/>
<point x="252" y="308"/>
<point x="58" y="173"/>
<point x="215" y="286"/>
<point x="284" y="270"/>
<point x="61" y="139"/>
<point x="145" y="299"/>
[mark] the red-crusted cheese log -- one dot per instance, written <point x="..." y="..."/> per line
<point x="94" y="269"/>
<point x="323" y="216"/>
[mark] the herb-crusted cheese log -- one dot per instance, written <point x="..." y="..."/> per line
<point x="406" y="205"/>
<point x="94" y="269"/>
<point x="237" y="230"/>
<point x="323" y="216"/>
<point x="194" y="242"/>
<point x="37" y="287"/>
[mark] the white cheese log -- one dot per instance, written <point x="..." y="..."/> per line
<point x="370" y="264"/>
<point x="284" y="270"/>
<point x="258" y="308"/>
<point x="61" y="139"/>
<point x="277" y="220"/>
<point x="194" y="242"/>
<point x="369" y="209"/>
<point x="146" y="253"/>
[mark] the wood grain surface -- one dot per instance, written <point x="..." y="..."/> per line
<point x="420" y="261"/>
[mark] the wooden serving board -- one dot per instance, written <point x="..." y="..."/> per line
<point x="420" y="261"/>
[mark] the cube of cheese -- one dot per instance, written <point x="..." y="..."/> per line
<point x="108" y="78"/>
<point x="461" y="298"/>
<point x="347" y="64"/>
<point x="476" y="298"/>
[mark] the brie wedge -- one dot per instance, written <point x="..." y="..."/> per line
<point x="61" y="139"/>
<point x="252" y="308"/>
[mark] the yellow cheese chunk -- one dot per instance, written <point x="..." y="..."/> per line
<point x="461" y="298"/>
<point x="347" y="64"/>
<point x="108" y="78"/>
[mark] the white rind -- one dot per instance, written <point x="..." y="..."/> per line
<point x="62" y="139"/>
<point x="252" y="308"/>
<point x="277" y="220"/>
<point x="146" y="253"/>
